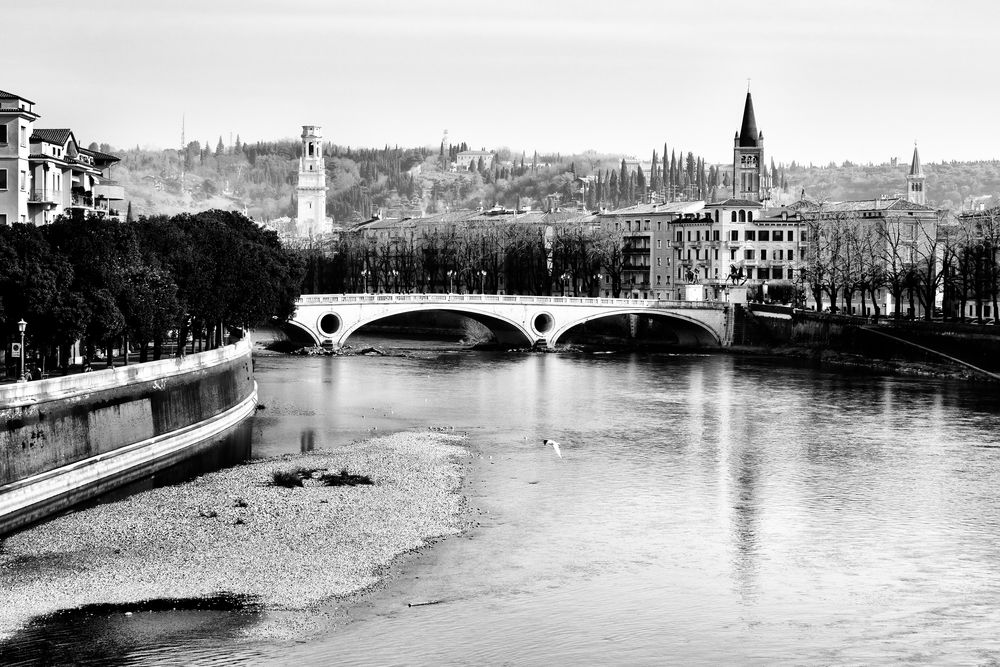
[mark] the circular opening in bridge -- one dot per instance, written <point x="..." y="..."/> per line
<point x="329" y="324"/>
<point x="542" y="323"/>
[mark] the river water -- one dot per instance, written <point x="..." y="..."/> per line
<point x="707" y="509"/>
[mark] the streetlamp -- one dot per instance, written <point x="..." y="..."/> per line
<point x="764" y="290"/>
<point x="565" y="278"/>
<point x="364" y="276"/>
<point x="395" y="281"/>
<point x="451" y="281"/>
<point x="21" y="326"/>
<point x="597" y="280"/>
<point x="482" y="281"/>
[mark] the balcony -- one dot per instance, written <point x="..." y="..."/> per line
<point x="81" y="201"/>
<point x="44" y="197"/>
<point x="110" y="190"/>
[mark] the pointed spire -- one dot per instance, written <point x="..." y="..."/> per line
<point x="749" y="136"/>
<point x="915" y="169"/>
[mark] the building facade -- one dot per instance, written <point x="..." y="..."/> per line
<point x="45" y="173"/>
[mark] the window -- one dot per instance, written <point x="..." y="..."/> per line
<point x="748" y="254"/>
<point x="778" y="235"/>
<point x="689" y="236"/>
<point x="751" y="235"/>
<point x="790" y="274"/>
<point x="3" y="179"/>
<point x="734" y="216"/>
<point x="3" y="133"/>
<point x="791" y="235"/>
<point x="716" y="215"/>
<point x="734" y="235"/>
<point x="764" y="235"/>
<point x="659" y="244"/>
<point x="697" y="235"/>
<point x="778" y="254"/>
<point x="715" y="234"/>
<point x="717" y="255"/>
<point x="749" y="216"/>
<point x="791" y="255"/>
<point x="743" y="216"/>
<point x="24" y="136"/>
<point x="748" y="272"/>
<point x="680" y="236"/>
<point x="732" y="255"/>
<point x="3" y="219"/>
<point x="24" y="181"/>
<point x="776" y="273"/>
<point x="659" y="261"/>
<point x="659" y="225"/>
<point x="762" y="274"/>
<point x="647" y="225"/>
<point x="763" y="254"/>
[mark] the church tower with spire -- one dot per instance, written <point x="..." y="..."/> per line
<point x="915" y="181"/>
<point x="311" y="189"/>
<point x="750" y="177"/>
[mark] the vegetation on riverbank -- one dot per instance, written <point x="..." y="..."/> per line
<point x="101" y="281"/>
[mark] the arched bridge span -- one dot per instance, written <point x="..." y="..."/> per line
<point x="330" y="319"/>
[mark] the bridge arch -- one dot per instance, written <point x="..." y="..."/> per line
<point x="506" y="330"/>
<point x="695" y="333"/>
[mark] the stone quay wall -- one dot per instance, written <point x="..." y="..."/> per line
<point x="68" y="439"/>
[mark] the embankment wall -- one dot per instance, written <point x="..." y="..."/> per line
<point x="68" y="439"/>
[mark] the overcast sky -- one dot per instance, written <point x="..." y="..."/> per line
<point x="835" y="80"/>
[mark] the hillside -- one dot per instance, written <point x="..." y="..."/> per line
<point x="259" y="180"/>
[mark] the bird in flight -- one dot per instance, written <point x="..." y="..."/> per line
<point x="554" y="445"/>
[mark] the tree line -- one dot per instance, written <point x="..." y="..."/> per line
<point x="470" y="257"/>
<point x="111" y="285"/>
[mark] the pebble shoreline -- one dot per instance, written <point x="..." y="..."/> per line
<point x="289" y="547"/>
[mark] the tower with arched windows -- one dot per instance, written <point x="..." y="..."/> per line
<point x="750" y="177"/>
<point x="915" y="181"/>
<point x="311" y="189"/>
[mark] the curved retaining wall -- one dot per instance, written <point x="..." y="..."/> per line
<point x="69" y="439"/>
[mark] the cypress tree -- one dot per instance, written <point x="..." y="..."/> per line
<point x="623" y="183"/>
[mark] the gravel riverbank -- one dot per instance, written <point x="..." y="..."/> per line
<point x="233" y="532"/>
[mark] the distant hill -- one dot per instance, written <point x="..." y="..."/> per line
<point x="950" y="185"/>
<point x="259" y="179"/>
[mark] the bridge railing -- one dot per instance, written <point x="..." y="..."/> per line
<point x="331" y="299"/>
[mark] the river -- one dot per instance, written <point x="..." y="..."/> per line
<point x="706" y="509"/>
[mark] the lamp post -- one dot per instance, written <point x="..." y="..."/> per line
<point x="597" y="280"/>
<point x="21" y="326"/>
<point x="482" y="281"/>
<point x="395" y="281"/>
<point x="763" y="297"/>
<point x="451" y="281"/>
<point x="565" y="278"/>
<point x="364" y="276"/>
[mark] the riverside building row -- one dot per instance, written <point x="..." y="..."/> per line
<point x="45" y="172"/>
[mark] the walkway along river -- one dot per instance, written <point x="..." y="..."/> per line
<point x="707" y="509"/>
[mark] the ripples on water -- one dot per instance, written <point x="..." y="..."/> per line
<point x="707" y="509"/>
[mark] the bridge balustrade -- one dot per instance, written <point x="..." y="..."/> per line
<point x="322" y="299"/>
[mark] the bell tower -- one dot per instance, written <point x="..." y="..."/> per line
<point x="750" y="180"/>
<point x="915" y="181"/>
<point x="311" y="189"/>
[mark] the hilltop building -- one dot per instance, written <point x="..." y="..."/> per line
<point x="45" y="172"/>
<point x="311" y="190"/>
<point x="465" y="158"/>
<point x="915" y="180"/>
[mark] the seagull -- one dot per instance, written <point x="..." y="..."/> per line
<point x="555" y="446"/>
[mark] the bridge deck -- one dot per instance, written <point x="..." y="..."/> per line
<point x="653" y="304"/>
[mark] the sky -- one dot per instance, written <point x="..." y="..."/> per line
<point x="858" y="80"/>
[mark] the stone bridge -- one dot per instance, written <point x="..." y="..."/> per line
<point x="330" y="319"/>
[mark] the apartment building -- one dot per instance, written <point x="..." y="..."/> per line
<point x="46" y="172"/>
